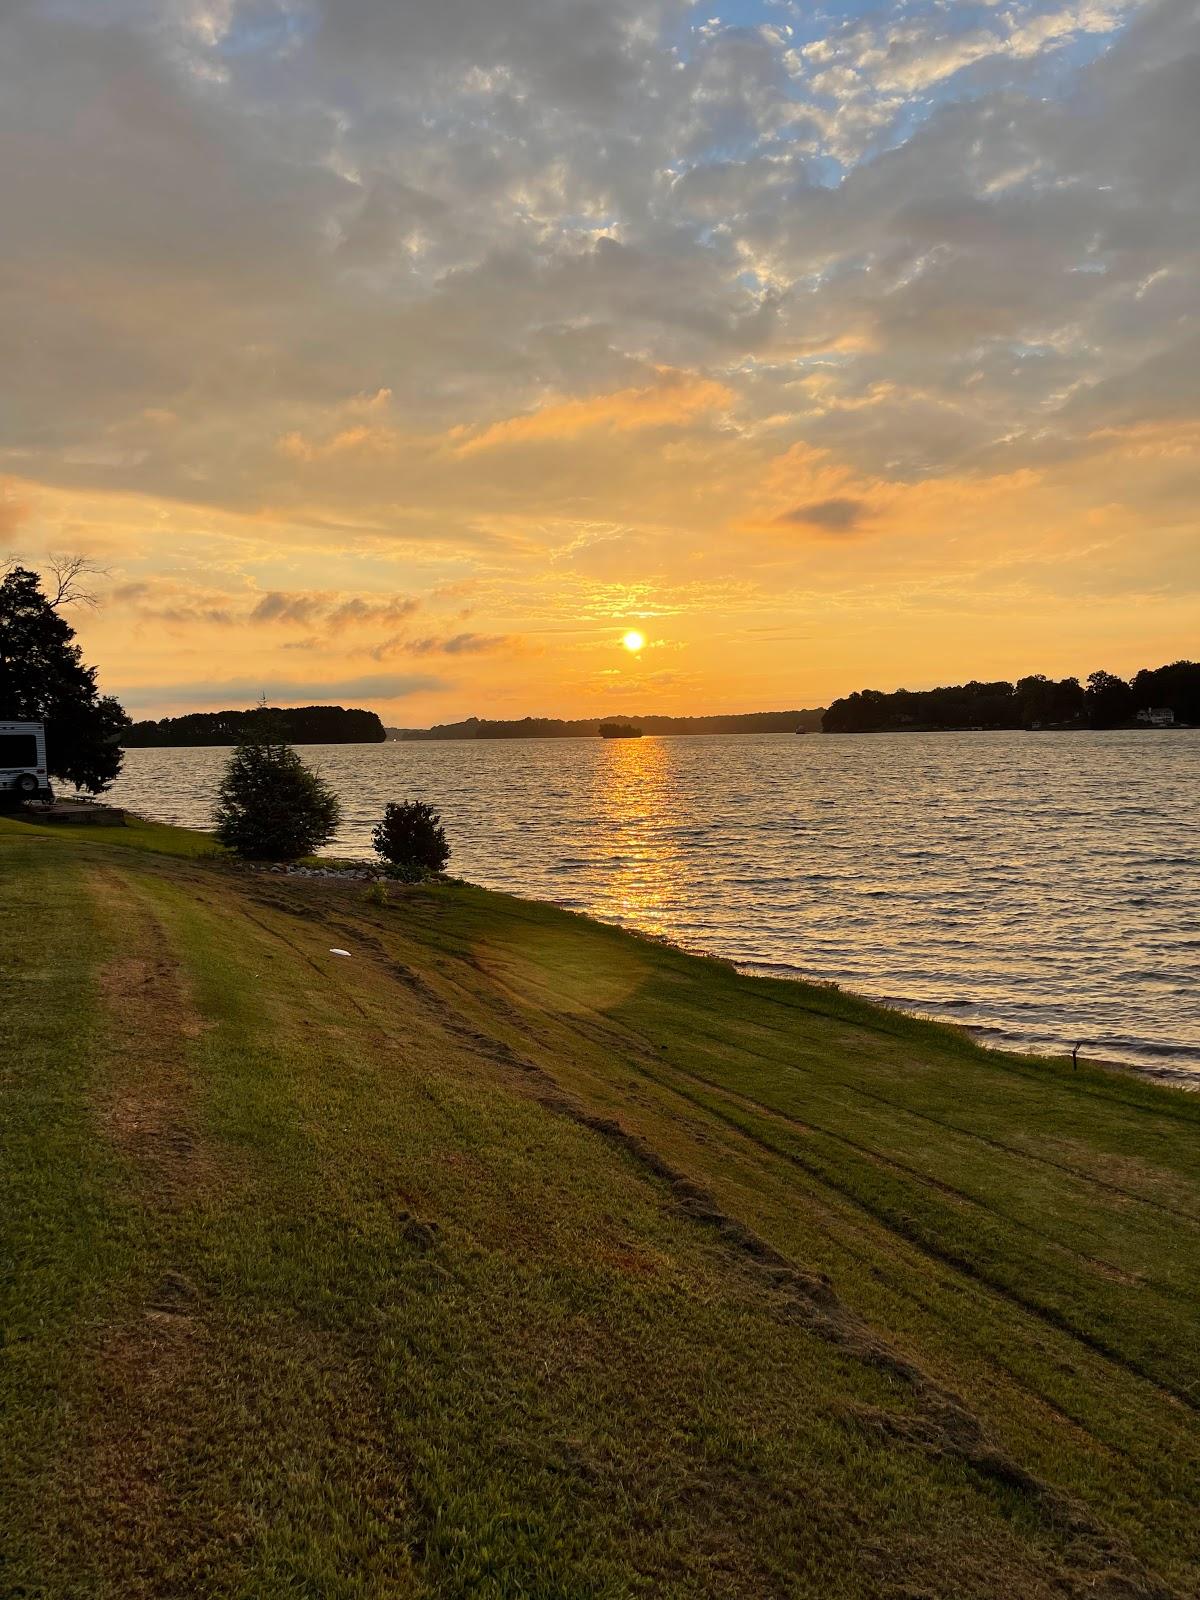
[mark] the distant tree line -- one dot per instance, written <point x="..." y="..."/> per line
<point x="1105" y="701"/>
<point x="292" y="725"/>
<point x="557" y="728"/>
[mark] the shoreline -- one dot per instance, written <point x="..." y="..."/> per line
<point x="679" y="733"/>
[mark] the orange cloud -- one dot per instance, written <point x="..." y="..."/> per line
<point x="360" y="438"/>
<point x="13" y="510"/>
<point x="677" y="398"/>
<point x="1150" y="440"/>
<point x="805" y="490"/>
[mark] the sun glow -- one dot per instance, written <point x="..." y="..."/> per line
<point x="634" y="641"/>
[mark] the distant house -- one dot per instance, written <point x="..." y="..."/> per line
<point x="1157" y="717"/>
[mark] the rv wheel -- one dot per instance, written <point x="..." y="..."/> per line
<point x="27" y="784"/>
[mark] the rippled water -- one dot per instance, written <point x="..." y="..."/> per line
<point x="1043" y="888"/>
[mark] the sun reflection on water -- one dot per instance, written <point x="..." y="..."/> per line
<point x="637" y="804"/>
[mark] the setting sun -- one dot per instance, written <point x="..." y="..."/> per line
<point x="634" y="641"/>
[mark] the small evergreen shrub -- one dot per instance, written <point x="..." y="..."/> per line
<point x="271" y="807"/>
<point x="411" y="838"/>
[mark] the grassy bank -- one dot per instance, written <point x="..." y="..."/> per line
<point x="516" y="1256"/>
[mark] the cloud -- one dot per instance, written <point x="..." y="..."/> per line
<point x="455" y="644"/>
<point x="837" y="515"/>
<point x="676" y="399"/>
<point x="400" y="288"/>
<point x="333" y="612"/>
<point x="164" y="600"/>
<point x="237" y="693"/>
<point x="907" y="55"/>
<point x="13" y="509"/>
<point x="301" y="608"/>
<point x="458" y="644"/>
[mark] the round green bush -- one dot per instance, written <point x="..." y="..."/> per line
<point x="411" y="837"/>
<point x="271" y="807"/>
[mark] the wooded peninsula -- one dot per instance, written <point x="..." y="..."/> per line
<point x="1106" y="701"/>
<point x="294" y="724"/>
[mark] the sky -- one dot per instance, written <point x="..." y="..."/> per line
<point x="411" y="353"/>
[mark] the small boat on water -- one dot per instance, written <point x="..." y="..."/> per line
<point x="619" y="730"/>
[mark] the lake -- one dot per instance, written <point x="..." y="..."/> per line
<point x="1041" y="888"/>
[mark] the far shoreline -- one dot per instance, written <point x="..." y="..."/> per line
<point x="593" y="739"/>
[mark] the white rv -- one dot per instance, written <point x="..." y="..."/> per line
<point x="23" y="760"/>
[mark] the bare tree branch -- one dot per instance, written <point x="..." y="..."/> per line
<point x="70" y="574"/>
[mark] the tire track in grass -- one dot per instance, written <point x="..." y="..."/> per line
<point x="118" y="1522"/>
<point x="1181" y="1397"/>
<point x="199" y="1457"/>
<point x="944" y="1126"/>
<point x="145" y="1101"/>
<point x="589" y="1023"/>
<point x="955" y="1260"/>
<point x="848" y="1208"/>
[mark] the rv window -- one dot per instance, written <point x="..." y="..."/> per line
<point x="18" y="750"/>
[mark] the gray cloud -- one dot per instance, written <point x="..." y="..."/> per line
<point x="458" y="644"/>
<point x="238" y="693"/>
<point x="276" y="607"/>
<point x="220" y="232"/>
<point x="837" y="515"/>
<point x="307" y="609"/>
<point x="164" y="601"/>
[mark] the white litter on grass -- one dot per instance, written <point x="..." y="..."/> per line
<point x="339" y="952"/>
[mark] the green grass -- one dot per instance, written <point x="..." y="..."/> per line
<point x="137" y="834"/>
<point x="518" y="1256"/>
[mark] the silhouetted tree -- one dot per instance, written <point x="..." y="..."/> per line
<point x="1109" y="700"/>
<point x="1045" y="702"/>
<point x="43" y="677"/>
<point x="411" y="837"/>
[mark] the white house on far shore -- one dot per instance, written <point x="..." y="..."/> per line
<point x="1157" y="717"/>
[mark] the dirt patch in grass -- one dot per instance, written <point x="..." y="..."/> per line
<point x="144" y="1095"/>
<point x="202" y="1462"/>
<point x="1134" y="1176"/>
<point x="123" y="1516"/>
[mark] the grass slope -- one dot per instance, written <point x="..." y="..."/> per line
<point x="516" y="1256"/>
